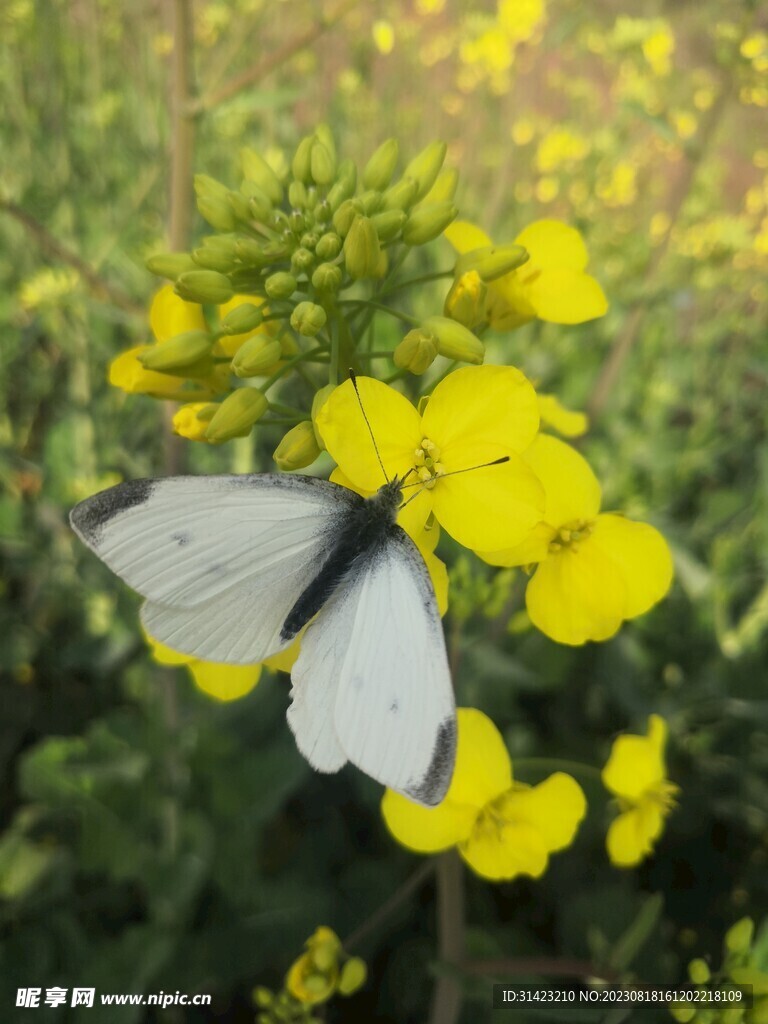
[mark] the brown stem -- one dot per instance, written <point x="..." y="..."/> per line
<point x="447" y="996"/>
<point x="609" y="374"/>
<point x="264" y="67"/>
<point x="53" y="247"/>
<point x="401" y="895"/>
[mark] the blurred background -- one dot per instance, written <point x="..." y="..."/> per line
<point x="155" y="838"/>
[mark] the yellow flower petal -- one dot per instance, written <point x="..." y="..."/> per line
<point x="427" y="829"/>
<point x="555" y="415"/>
<point x="631" y="836"/>
<point x="285" y="660"/>
<point x="555" y="808"/>
<point x="395" y="423"/>
<point x="577" y="596"/>
<point x="438" y="573"/>
<point x="643" y="557"/>
<point x="535" y="548"/>
<point x="224" y="682"/>
<point x="550" y="243"/>
<point x="464" y="237"/>
<point x="564" y="296"/>
<point x="483" y="768"/>
<point x="504" y="851"/>
<point x="571" y="488"/>
<point x="169" y="315"/>
<point x="636" y="763"/>
<point x="495" y="507"/>
<point x="493" y="409"/>
<point x="166" y="655"/>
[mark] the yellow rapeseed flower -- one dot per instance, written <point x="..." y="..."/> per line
<point x="475" y="415"/>
<point x="553" y="285"/>
<point x="501" y="828"/>
<point x="554" y="414"/>
<point x="635" y="773"/>
<point x="594" y="570"/>
<point x="313" y="978"/>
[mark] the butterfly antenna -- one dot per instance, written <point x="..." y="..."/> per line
<point x="455" y="472"/>
<point x="353" y="378"/>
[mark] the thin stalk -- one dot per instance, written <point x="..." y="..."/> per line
<point x="412" y="321"/>
<point x="447" y="996"/>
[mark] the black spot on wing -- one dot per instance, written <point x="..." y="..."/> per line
<point x="431" y="789"/>
<point x="89" y="518"/>
<point x="182" y="537"/>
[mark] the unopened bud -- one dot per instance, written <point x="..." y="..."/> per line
<point x="698" y="971"/>
<point x="328" y="246"/>
<point x="345" y="215"/>
<point x="259" y="205"/>
<point x="402" y="195"/>
<point x="322" y="164"/>
<point x="297" y="195"/>
<point x="492" y="261"/>
<point x="389" y="223"/>
<point x="346" y="182"/>
<point x="308" y="318"/>
<point x="191" y="420"/>
<point x="454" y="340"/>
<point x="465" y="302"/>
<point x="381" y="166"/>
<point x="301" y="165"/>
<point x="361" y="249"/>
<point x="170" y="264"/>
<point x="327" y="278"/>
<point x="428" y="221"/>
<point x="213" y="259"/>
<point x="243" y="318"/>
<point x="281" y="285"/>
<point x="353" y="975"/>
<point x="236" y="415"/>
<point x="371" y="201"/>
<point x="425" y="167"/>
<point x="239" y="206"/>
<point x="262" y="996"/>
<point x="298" y="448"/>
<point x="177" y="353"/>
<point x="252" y="252"/>
<point x="256" y="356"/>
<point x="324" y="134"/>
<point x="204" y="286"/>
<point x="417" y="351"/>
<point x="213" y="203"/>
<point x="302" y="260"/>
<point x="445" y="186"/>
<point x="738" y="938"/>
<point x="257" y="170"/>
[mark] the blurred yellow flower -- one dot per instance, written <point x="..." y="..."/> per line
<point x="560" y="147"/>
<point x="618" y="187"/>
<point x="553" y="285"/>
<point x="312" y="979"/>
<point x="565" y="421"/>
<point x="501" y="828"/>
<point x="594" y="570"/>
<point x="635" y="773"/>
<point x="475" y="415"/>
<point x="520" y="18"/>
<point x="383" y="36"/>
<point x="658" y="49"/>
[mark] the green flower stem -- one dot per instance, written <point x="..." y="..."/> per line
<point x="289" y="365"/>
<point x="558" y="765"/>
<point x="333" y="368"/>
<point x="288" y="410"/>
<point x="368" y="303"/>
<point x="284" y="421"/>
<point x="447" y="996"/>
<point x="397" y="286"/>
<point x="433" y="384"/>
<point x="397" y="375"/>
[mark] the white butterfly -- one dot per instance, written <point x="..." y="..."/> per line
<point x="233" y="567"/>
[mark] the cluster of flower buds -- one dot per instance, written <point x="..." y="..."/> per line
<point x="318" y="975"/>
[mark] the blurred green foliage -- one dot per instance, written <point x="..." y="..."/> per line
<point x="153" y="839"/>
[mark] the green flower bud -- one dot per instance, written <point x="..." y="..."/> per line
<point x="281" y="285"/>
<point x="346" y="182"/>
<point x="402" y="195"/>
<point x="465" y="300"/>
<point x="296" y="222"/>
<point x="345" y="215"/>
<point x="362" y="251"/>
<point x="259" y="206"/>
<point x="225" y="244"/>
<point x="239" y="206"/>
<point x="262" y="996"/>
<point x="204" y="286"/>
<point x="328" y="246"/>
<point x="454" y="340"/>
<point x="170" y="264"/>
<point x="247" y="280"/>
<point x="177" y="353"/>
<point x="381" y="166"/>
<point x="213" y="259"/>
<point x="278" y="249"/>
<point x="236" y="415"/>
<point x="427" y="222"/>
<point x="309" y="240"/>
<point x="256" y="356"/>
<point x="389" y="223"/>
<point x="738" y="938"/>
<point x="297" y="195"/>
<point x="302" y="260"/>
<point x="417" y="351"/>
<point x="353" y="975"/>
<point x="321" y="397"/>
<point x="322" y="164"/>
<point x="308" y="318"/>
<point x="445" y="186"/>
<point x="325" y="956"/>
<point x="698" y="971"/>
<point x="492" y="261"/>
<point x="327" y="279"/>
<point x="257" y="170"/>
<point x="371" y="202"/>
<point x="316" y="983"/>
<point x="301" y="165"/>
<point x="324" y="135"/>
<point x="213" y="203"/>
<point x="425" y="167"/>
<point x="252" y="252"/>
<point x="298" y="448"/>
<point x="245" y="317"/>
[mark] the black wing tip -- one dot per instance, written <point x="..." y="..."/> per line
<point x="90" y="516"/>
<point x="431" y="789"/>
